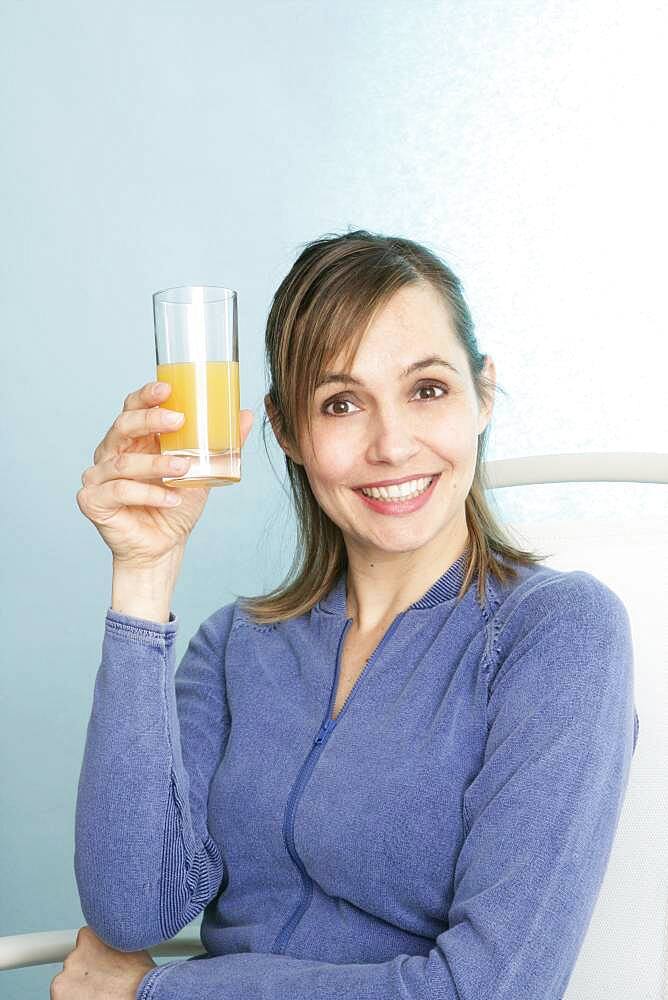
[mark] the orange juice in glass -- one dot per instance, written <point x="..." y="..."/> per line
<point x="197" y="353"/>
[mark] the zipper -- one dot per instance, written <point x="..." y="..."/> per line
<point x="327" y="727"/>
<point x="329" y="723"/>
<point x="284" y="935"/>
<point x="325" y="730"/>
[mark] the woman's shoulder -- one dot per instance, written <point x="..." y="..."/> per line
<point x="546" y="607"/>
<point x="541" y="589"/>
<point x="232" y="616"/>
<point x="561" y="637"/>
<point x="223" y="621"/>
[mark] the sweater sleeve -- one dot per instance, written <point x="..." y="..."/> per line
<point x="540" y="819"/>
<point x="144" y="861"/>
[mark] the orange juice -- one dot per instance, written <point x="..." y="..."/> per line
<point x="208" y="395"/>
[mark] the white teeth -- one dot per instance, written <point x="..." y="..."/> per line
<point x="400" y="491"/>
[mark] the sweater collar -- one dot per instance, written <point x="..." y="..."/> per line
<point x="445" y="588"/>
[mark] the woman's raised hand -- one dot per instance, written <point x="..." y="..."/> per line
<point x="122" y="492"/>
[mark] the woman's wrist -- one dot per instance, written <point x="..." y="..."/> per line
<point x="145" y="591"/>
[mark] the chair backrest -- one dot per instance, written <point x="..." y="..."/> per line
<point x="625" y="950"/>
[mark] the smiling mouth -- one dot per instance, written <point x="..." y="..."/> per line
<point x="390" y="494"/>
<point x="396" y="482"/>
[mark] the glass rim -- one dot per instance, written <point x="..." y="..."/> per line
<point x="160" y="296"/>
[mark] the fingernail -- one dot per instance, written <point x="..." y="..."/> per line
<point x="158" y="387"/>
<point x="173" y="418"/>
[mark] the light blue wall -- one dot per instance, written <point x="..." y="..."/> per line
<point x="203" y="142"/>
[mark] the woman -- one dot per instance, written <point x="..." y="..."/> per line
<point x="398" y="775"/>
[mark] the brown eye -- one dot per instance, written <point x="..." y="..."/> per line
<point x="433" y="385"/>
<point x="335" y="402"/>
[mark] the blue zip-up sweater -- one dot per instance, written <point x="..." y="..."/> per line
<point x="445" y="838"/>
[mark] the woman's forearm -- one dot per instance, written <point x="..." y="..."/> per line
<point x="144" y="861"/>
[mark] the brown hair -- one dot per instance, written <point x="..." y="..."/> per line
<point x="322" y="309"/>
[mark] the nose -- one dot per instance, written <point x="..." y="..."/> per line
<point x="392" y="439"/>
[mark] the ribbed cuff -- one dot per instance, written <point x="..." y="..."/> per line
<point x="139" y="626"/>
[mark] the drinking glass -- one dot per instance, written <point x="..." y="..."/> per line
<point x="197" y="353"/>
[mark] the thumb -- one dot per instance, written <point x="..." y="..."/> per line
<point x="246" y="418"/>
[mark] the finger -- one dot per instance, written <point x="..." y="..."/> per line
<point x="99" y="501"/>
<point x="132" y="424"/>
<point x="151" y="394"/>
<point x="133" y="465"/>
<point x="246" y="418"/>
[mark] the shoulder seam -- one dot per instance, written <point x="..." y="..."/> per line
<point x="257" y="626"/>
<point x="499" y="621"/>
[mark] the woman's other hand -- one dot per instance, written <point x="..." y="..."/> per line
<point x="94" y="971"/>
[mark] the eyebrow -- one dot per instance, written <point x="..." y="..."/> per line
<point x="348" y="379"/>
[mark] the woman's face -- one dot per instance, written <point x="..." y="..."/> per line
<point x="392" y="426"/>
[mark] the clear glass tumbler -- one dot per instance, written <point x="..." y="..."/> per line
<point x="197" y="353"/>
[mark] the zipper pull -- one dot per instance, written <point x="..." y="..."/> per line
<point x="324" y="730"/>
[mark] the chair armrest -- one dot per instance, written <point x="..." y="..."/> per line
<point x="17" y="951"/>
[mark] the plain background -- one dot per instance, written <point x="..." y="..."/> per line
<point x="157" y="144"/>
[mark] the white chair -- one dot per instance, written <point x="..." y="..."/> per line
<point x="624" y="955"/>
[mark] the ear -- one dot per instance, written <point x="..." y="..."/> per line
<point x="276" y="427"/>
<point x="489" y="371"/>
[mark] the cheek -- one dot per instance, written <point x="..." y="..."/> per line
<point x="454" y="438"/>
<point x="329" y="462"/>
